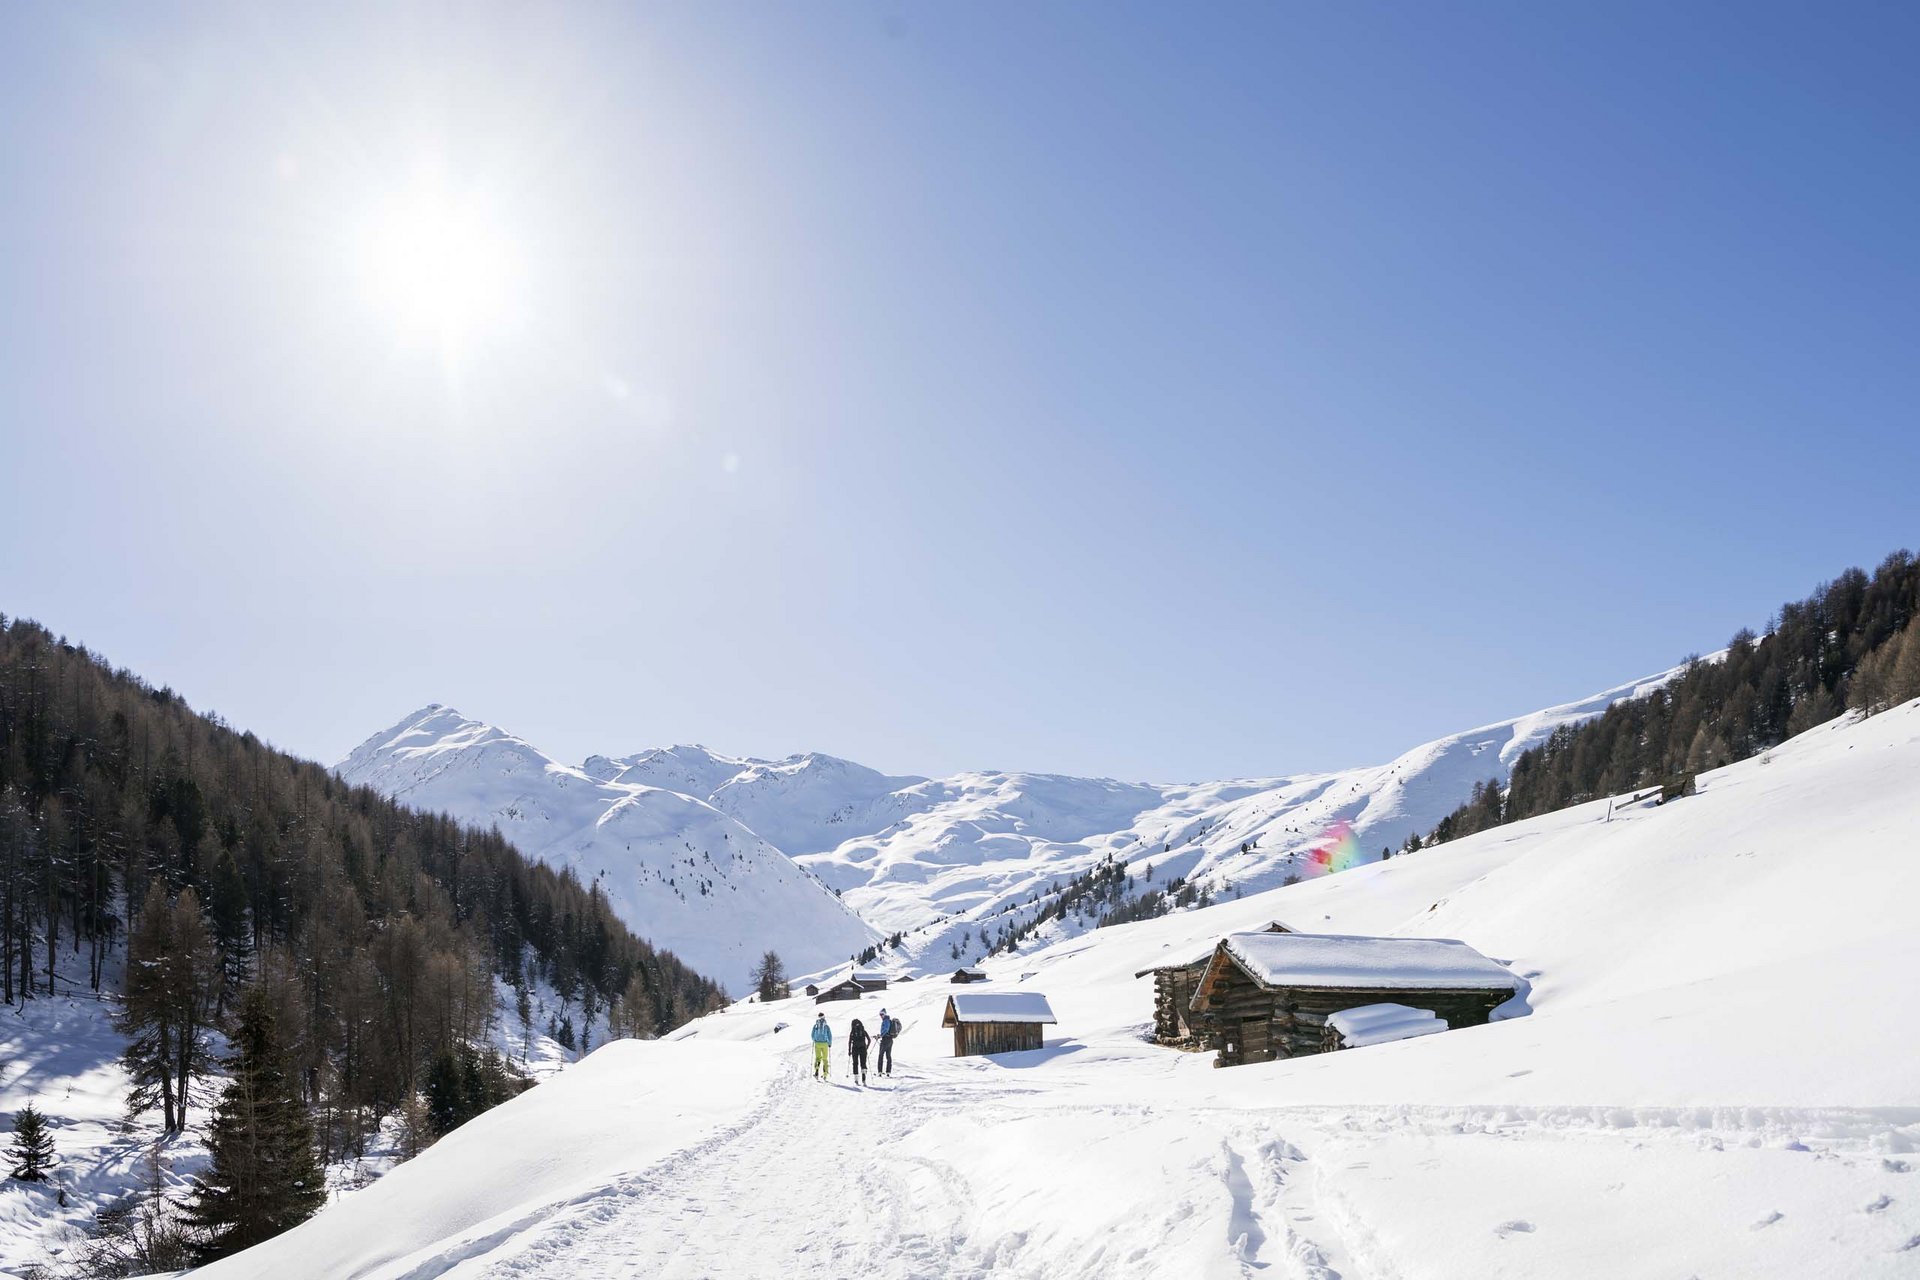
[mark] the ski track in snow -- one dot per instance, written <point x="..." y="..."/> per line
<point x="826" y="1179"/>
<point x="817" y="1177"/>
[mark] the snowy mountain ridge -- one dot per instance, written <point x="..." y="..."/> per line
<point x="686" y="876"/>
<point x="945" y="860"/>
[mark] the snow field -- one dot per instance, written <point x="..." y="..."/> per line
<point x="1715" y="1079"/>
<point x="577" y="1143"/>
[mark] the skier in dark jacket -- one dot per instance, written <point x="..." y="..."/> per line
<point x="857" y="1050"/>
<point x="889" y="1028"/>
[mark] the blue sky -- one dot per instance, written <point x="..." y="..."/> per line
<point x="1135" y="390"/>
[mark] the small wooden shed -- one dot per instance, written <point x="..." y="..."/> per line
<point x="812" y="989"/>
<point x="871" y="981"/>
<point x="967" y="975"/>
<point x="996" y="1021"/>
<point x="1174" y="984"/>
<point x="1269" y="995"/>
<point x="845" y="989"/>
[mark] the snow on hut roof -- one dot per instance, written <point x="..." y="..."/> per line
<point x="1381" y="1023"/>
<point x="999" y="1006"/>
<point x="1179" y="961"/>
<point x="1201" y="957"/>
<point x="1337" y="960"/>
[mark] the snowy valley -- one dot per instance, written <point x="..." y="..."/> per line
<point x="1713" y="1077"/>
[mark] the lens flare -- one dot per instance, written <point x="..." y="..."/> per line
<point x="1338" y="850"/>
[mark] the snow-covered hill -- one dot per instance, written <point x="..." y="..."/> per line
<point x="966" y="850"/>
<point x="1716" y="1079"/>
<point x="944" y="860"/>
<point x="685" y="875"/>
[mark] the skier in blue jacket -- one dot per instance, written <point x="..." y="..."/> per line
<point x="822" y="1045"/>
<point x="889" y="1028"/>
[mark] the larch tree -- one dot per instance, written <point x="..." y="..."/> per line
<point x="170" y="979"/>
<point x="769" y="977"/>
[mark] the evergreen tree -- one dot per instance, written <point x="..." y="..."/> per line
<point x="32" y="1148"/>
<point x="264" y="1176"/>
<point x="446" y="1102"/>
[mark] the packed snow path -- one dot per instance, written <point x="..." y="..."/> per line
<point x="823" y="1179"/>
<point x="1033" y="1166"/>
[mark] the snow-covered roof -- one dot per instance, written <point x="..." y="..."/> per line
<point x="1381" y="1023"/>
<point x="998" y="1006"/>
<point x="1201" y="957"/>
<point x="1180" y="961"/>
<point x="1338" y="960"/>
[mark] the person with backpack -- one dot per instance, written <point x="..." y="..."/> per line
<point x="822" y="1046"/>
<point x="889" y="1028"/>
<point x="857" y="1050"/>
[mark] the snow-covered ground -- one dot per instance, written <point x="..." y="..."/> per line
<point x="1716" y="1079"/>
<point x="63" y="1055"/>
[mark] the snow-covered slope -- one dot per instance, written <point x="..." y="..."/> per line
<point x="686" y="876"/>
<point x="1716" y="1078"/>
<point x="967" y="851"/>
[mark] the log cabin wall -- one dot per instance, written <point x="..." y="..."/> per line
<point x="1174" y="1020"/>
<point x="1251" y="1023"/>
<point x="971" y="1038"/>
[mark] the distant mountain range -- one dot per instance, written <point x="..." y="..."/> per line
<point x="718" y="858"/>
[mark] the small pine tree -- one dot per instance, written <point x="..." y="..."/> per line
<point x="264" y="1176"/>
<point x="446" y="1103"/>
<point x="32" y="1147"/>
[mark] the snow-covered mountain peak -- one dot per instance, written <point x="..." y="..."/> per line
<point x="958" y="862"/>
<point x="682" y="873"/>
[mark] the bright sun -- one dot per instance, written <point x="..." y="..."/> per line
<point x="438" y="267"/>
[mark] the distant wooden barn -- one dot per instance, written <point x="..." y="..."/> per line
<point x="845" y="989"/>
<point x="1269" y="995"/>
<point x="812" y="989"/>
<point x="871" y="981"/>
<point x="996" y="1021"/>
<point x="967" y="975"/>
<point x="1174" y="984"/>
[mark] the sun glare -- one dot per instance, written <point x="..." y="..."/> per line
<point x="438" y="267"/>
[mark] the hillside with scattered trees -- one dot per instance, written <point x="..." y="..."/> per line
<point x="139" y="836"/>
<point x="1852" y="644"/>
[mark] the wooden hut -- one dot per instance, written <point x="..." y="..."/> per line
<point x="996" y="1021"/>
<point x="967" y="975"/>
<point x="811" y="989"/>
<point x="1174" y="984"/>
<point x="1268" y="995"/>
<point x="871" y="981"/>
<point x="845" y="989"/>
